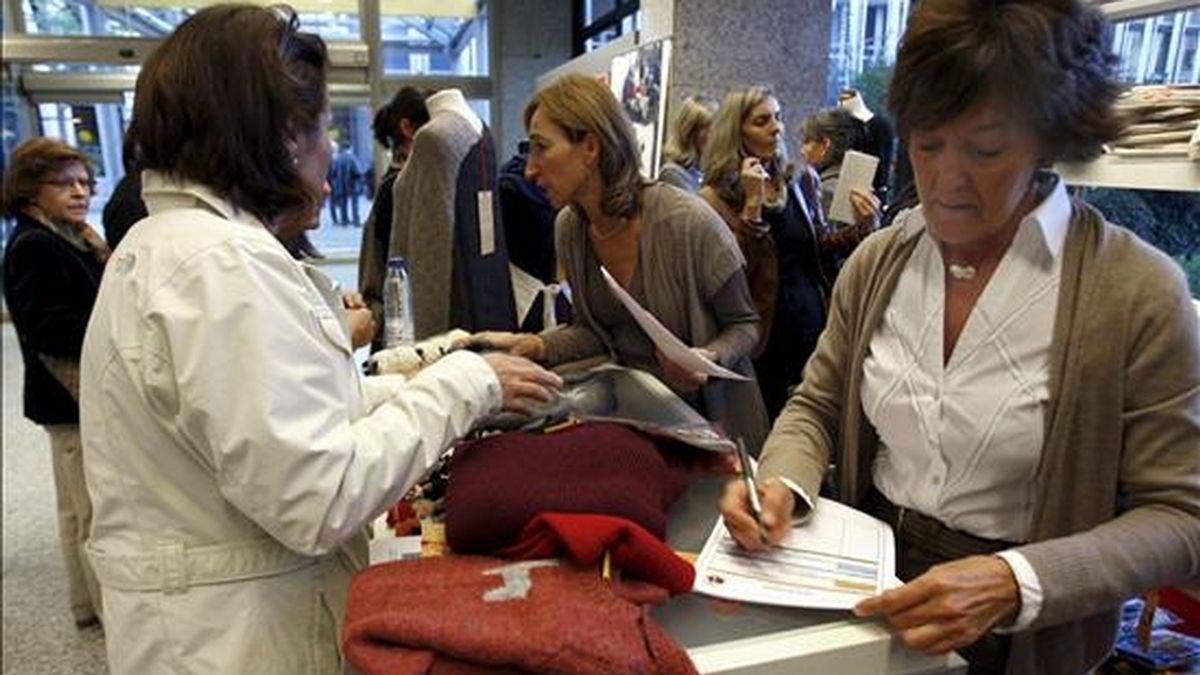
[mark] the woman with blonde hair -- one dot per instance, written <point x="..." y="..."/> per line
<point x="663" y="246"/>
<point x="776" y="217"/>
<point x="685" y="144"/>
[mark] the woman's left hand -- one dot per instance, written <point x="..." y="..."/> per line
<point x="680" y="378"/>
<point x="951" y="605"/>
<point x="362" y="322"/>
<point x="362" y="326"/>
<point x="867" y="209"/>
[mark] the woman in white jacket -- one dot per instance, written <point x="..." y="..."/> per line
<point x="233" y="453"/>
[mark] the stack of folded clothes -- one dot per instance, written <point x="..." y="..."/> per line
<point x="1163" y="121"/>
<point x="558" y="548"/>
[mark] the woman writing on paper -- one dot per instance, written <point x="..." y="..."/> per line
<point x="660" y="244"/>
<point x="1007" y="379"/>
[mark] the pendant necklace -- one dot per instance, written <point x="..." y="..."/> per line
<point x="962" y="272"/>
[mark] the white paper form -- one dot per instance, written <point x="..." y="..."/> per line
<point x="671" y="347"/>
<point x="858" y="171"/>
<point x="833" y="560"/>
<point x="389" y="548"/>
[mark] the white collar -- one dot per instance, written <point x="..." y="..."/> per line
<point x="1052" y="216"/>
<point x="452" y="101"/>
<point x="162" y="192"/>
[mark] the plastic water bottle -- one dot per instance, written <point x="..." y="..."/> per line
<point x="397" y="305"/>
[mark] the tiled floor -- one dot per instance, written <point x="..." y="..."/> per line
<point x="39" y="635"/>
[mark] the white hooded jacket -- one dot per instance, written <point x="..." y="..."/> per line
<point x="232" y="451"/>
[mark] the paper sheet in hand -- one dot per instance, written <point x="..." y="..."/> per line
<point x="833" y="560"/>
<point x="671" y="347"/>
<point x="858" y="171"/>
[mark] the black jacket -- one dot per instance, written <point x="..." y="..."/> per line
<point x="50" y="287"/>
<point x="124" y="208"/>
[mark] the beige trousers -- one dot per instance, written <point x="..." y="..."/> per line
<point x="74" y="520"/>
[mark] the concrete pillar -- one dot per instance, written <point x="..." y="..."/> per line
<point x="532" y="37"/>
<point x="718" y="46"/>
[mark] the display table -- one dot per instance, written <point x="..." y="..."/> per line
<point x="728" y="637"/>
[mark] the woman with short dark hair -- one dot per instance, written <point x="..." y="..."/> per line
<point x="233" y="452"/>
<point x="827" y="136"/>
<point x="52" y="267"/>
<point x="1008" y="380"/>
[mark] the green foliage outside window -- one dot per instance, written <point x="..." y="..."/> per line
<point x="872" y="84"/>
<point x="1168" y="220"/>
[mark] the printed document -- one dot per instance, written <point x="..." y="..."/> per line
<point x="858" y="171"/>
<point x="833" y="560"/>
<point x="671" y="347"/>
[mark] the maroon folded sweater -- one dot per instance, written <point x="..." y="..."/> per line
<point x="468" y="614"/>
<point x="498" y="484"/>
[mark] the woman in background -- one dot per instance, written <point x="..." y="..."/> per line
<point x="776" y="218"/>
<point x="52" y="268"/>
<point x="686" y="142"/>
<point x="395" y="125"/>
<point x="827" y="135"/>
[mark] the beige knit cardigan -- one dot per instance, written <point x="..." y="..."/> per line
<point x="1116" y="508"/>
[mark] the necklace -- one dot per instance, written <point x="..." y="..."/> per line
<point x="601" y="235"/>
<point x="962" y="272"/>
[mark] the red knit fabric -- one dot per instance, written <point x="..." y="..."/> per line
<point x="403" y="520"/>
<point x="498" y="484"/>
<point x="458" y="615"/>
<point x="586" y="536"/>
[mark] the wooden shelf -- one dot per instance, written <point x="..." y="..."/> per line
<point x="1137" y="174"/>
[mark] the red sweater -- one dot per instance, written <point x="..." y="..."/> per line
<point x="473" y="614"/>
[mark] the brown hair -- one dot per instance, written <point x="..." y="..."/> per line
<point x="1047" y="60"/>
<point x="408" y="103"/>
<point x="582" y="105"/>
<point x="221" y="99"/>
<point x="31" y="164"/>
<point x="842" y="129"/>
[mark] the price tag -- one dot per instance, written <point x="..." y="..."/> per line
<point x="487" y="223"/>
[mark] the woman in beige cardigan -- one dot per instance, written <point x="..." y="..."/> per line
<point x="1008" y="380"/>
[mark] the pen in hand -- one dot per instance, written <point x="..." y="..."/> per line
<point x="751" y="488"/>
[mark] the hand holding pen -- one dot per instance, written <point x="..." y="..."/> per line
<point x="776" y="504"/>
<point x="749" y="477"/>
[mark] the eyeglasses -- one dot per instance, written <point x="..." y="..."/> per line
<point x="66" y="183"/>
